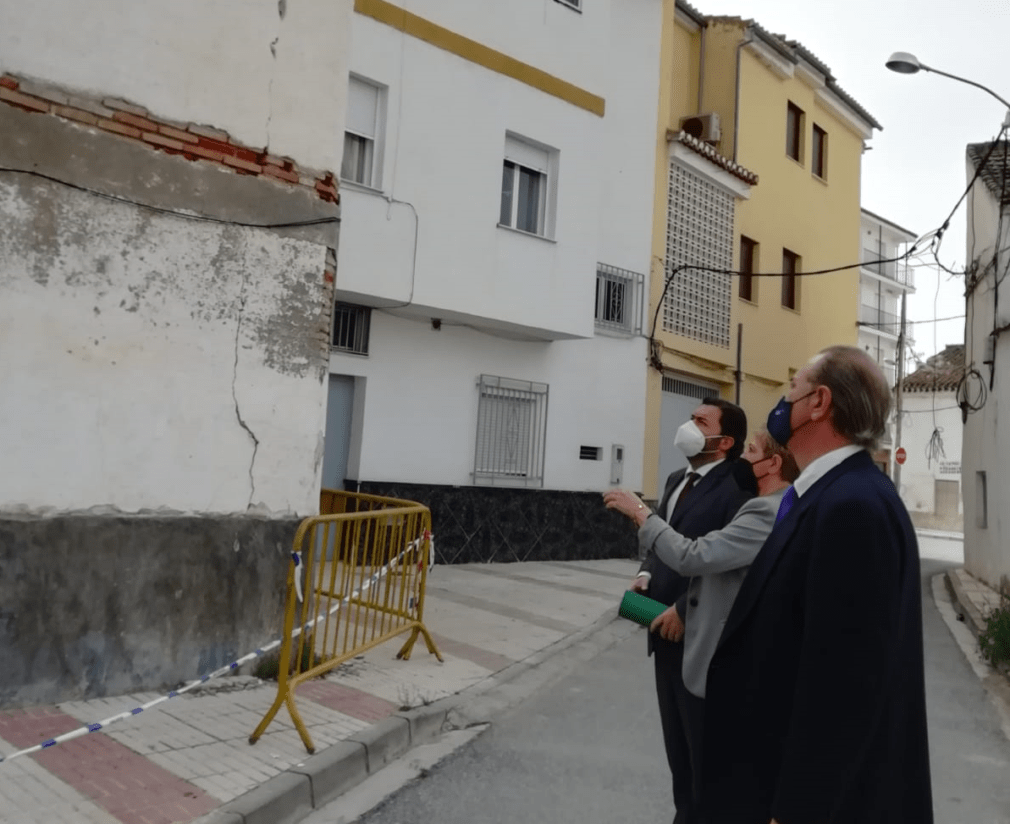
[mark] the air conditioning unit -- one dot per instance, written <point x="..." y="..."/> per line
<point x="704" y="127"/>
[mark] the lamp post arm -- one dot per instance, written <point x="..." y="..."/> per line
<point x="926" y="68"/>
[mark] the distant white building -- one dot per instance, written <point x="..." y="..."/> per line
<point x="986" y="390"/>
<point x="497" y="196"/>
<point x="931" y="434"/>
<point x="882" y="283"/>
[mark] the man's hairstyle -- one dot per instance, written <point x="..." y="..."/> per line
<point x="860" y="396"/>
<point x="732" y="422"/>
<point x="790" y="471"/>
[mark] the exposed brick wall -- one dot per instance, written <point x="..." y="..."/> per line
<point x="193" y="141"/>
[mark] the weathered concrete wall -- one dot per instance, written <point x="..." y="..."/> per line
<point x="149" y="361"/>
<point x="98" y="605"/>
<point x="162" y="402"/>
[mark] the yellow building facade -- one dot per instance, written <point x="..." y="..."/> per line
<point x="766" y="180"/>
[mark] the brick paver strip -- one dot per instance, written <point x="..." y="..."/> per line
<point x="529" y="579"/>
<point x="348" y="700"/>
<point x="441" y="594"/>
<point x="481" y="657"/>
<point x="127" y="785"/>
<point x="620" y="576"/>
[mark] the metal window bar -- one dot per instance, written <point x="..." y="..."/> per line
<point x="351" y="326"/>
<point x="691" y="390"/>
<point x="619" y="299"/>
<point x="511" y="432"/>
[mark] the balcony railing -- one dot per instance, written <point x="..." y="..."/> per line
<point x="877" y="318"/>
<point x="619" y="296"/>
<point x="899" y="272"/>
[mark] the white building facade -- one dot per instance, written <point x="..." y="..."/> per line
<point x="883" y="282"/>
<point x="489" y="357"/>
<point x="168" y="234"/>
<point x="986" y="388"/>
<point x="931" y="434"/>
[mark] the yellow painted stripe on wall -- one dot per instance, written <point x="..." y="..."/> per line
<point x="440" y="37"/>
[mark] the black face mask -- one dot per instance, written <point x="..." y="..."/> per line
<point x="743" y="473"/>
<point x="779" y="423"/>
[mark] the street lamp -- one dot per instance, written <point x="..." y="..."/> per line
<point x="905" y="63"/>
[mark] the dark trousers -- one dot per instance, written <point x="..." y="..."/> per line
<point x="681" y="714"/>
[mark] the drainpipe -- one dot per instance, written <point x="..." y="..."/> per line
<point x="748" y="37"/>
<point x="701" y="69"/>
<point x="901" y="377"/>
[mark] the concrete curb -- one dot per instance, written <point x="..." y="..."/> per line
<point x="321" y="778"/>
<point x="973" y="618"/>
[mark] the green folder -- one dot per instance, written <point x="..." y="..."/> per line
<point x="640" y="609"/>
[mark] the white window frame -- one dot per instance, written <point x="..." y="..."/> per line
<point x="370" y="131"/>
<point x="536" y="160"/>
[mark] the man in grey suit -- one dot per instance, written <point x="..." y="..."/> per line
<point x="717" y="564"/>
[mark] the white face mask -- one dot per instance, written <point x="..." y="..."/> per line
<point x="690" y="439"/>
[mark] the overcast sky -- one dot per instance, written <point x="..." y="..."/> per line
<point x="916" y="170"/>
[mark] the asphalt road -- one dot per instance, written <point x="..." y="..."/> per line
<point x="589" y="748"/>
<point x="969" y="753"/>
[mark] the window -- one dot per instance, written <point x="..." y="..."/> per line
<point x="527" y="176"/>
<point x="981" y="501"/>
<point x="361" y="135"/>
<point x="511" y="432"/>
<point x="790" y="267"/>
<point x="699" y="232"/>
<point x="619" y="295"/>
<point x="794" y="132"/>
<point x="819" y="153"/>
<point x="590" y="453"/>
<point x="748" y="259"/>
<point x="351" y="326"/>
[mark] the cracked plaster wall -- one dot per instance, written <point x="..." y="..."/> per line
<point x="270" y="72"/>
<point x="148" y="362"/>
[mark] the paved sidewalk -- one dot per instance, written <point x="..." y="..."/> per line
<point x="189" y="758"/>
<point x="976" y="598"/>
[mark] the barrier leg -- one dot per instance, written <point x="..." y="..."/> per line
<point x="267" y="718"/>
<point x="430" y="643"/>
<point x="408" y="647"/>
<point x="299" y="724"/>
<point x="419" y="629"/>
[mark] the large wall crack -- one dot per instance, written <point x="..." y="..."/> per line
<point x="234" y="396"/>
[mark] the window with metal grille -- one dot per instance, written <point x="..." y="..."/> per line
<point x="590" y="453"/>
<point x="688" y="389"/>
<point x="619" y="296"/>
<point x="351" y="325"/>
<point x="699" y="231"/>
<point x="511" y="432"/>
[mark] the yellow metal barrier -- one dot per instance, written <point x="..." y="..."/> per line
<point x="356" y="579"/>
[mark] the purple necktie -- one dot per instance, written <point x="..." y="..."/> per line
<point x="787" y="503"/>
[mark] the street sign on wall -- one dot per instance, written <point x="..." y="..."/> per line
<point x="900" y="455"/>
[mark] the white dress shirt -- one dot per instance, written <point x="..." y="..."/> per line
<point x="819" y="467"/>
<point x="701" y="472"/>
